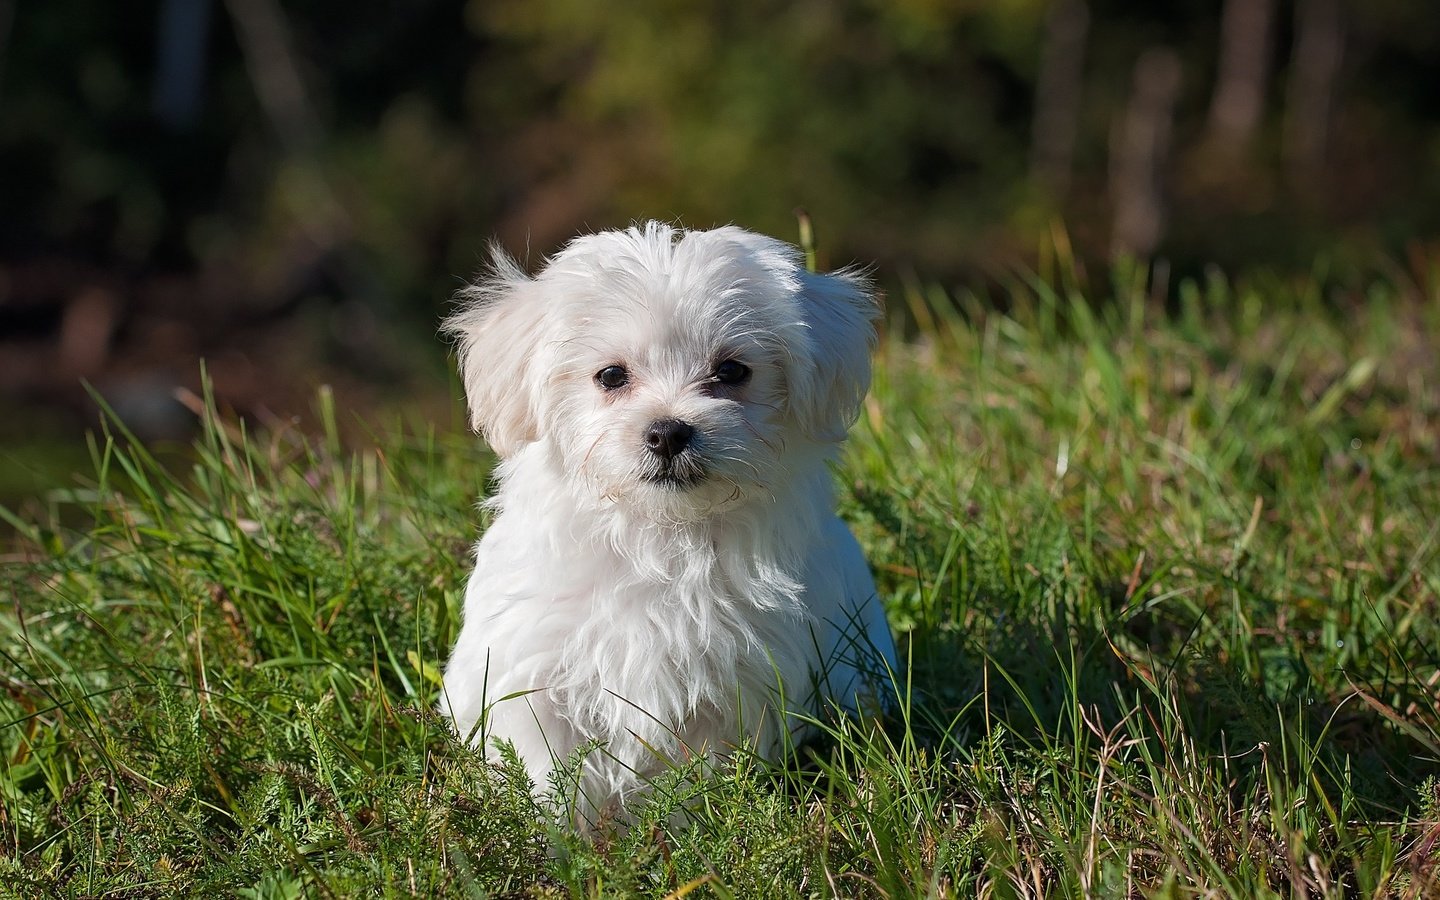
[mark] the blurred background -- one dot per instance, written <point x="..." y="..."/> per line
<point x="292" y="189"/>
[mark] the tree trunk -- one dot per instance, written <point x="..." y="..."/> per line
<point x="1140" y="152"/>
<point x="1310" y="92"/>
<point x="1238" y="103"/>
<point x="1057" y="94"/>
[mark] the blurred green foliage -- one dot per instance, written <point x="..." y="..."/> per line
<point x="906" y="128"/>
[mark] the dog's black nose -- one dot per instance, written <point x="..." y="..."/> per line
<point x="667" y="437"/>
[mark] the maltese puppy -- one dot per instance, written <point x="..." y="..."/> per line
<point x="665" y="577"/>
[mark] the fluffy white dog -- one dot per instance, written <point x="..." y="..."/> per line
<point x="666" y="576"/>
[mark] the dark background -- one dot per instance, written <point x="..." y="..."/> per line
<point x="292" y="189"/>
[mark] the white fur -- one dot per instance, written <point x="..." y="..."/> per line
<point x="655" y="621"/>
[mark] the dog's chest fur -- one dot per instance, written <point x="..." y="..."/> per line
<point x="659" y="630"/>
<point x="626" y="677"/>
<point x="669" y="652"/>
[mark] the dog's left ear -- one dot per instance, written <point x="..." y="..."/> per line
<point x="828" y="383"/>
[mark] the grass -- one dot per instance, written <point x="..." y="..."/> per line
<point x="1168" y="579"/>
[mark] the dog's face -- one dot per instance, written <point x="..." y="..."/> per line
<point x="670" y="371"/>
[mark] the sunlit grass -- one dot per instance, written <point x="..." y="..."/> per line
<point x="1169" y="583"/>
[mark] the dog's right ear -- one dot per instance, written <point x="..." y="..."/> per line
<point x="499" y="331"/>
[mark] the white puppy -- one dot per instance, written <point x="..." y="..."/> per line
<point x="666" y="576"/>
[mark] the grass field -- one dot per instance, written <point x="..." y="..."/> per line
<point x="1169" y="583"/>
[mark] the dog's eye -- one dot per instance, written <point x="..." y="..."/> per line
<point x="732" y="372"/>
<point x="612" y="377"/>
